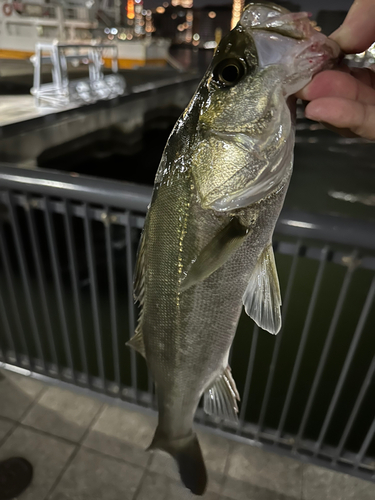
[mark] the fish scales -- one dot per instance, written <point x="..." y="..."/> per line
<point x="206" y="248"/>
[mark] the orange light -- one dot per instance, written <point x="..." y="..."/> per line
<point x="130" y="9"/>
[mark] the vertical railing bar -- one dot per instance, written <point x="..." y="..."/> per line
<point x="278" y="341"/>
<point x="129" y="269"/>
<point x="325" y="352"/>
<point x="249" y="376"/>
<point x="303" y="340"/>
<point x="12" y="295"/>
<point x="112" y="297"/>
<point x="25" y="280"/>
<point x="345" y="369"/>
<point x="41" y="282"/>
<point x="58" y="285"/>
<point x="8" y="333"/>
<point x="150" y="388"/>
<point x="358" y="404"/>
<point x="94" y="294"/>
<point x="76" y="295"/>
<point x="365" y="445"/>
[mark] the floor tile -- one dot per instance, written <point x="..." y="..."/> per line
<point x="5" y="427"/>
<point x="159" y="487"/>
<point x="17" y="392"/>
<point x="215" y="452"/>
<point x="47" y="454"/>
<point x="63" y="413"/>
<point x="92" y="476"/>
<point x="265" y="470"/>
<point x="325" y="484"/>
<point x="123" y="434"/>
<point x="240" y="490"/>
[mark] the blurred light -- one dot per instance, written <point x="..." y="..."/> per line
<point x="122" y="36"/>
<point x="107" y="31"/>
<point x="196" y="36"/>
<point x="174" y="16"/>
<point x="165" y="4"/>
<point x="195" y="42"/>
<point x="144" y="12"/>
<point x="304" y="225"/>
<point x="212" y="14"/>
<point x="160" y="10"/>
<point x="138" y="1"/>
<point x="129" y="36"/>
<point x="148" y="12"/>
<point x="148" y="29"/>
<point x="210" y="45"/>
<point x="110" y="37"/>
<point x="185" y="26"/>
<point x="180" y="27"/>
<point x="318" y="28"/>
<point x="114" y="31"/>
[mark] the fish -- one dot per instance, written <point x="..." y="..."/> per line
<point x="206" y="247"/>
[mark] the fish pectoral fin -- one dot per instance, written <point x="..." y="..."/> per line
<point x="262" y="298"/>
<point x="216" y="253"/>
<point x="137" y="343"/>
<point x="221" y="398"/>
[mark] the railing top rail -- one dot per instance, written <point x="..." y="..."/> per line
<point x="76" y="187"/>
<point x="300" y="224"/>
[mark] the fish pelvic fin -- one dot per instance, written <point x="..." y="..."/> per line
<point x="188" y="455"/>
<point x="262" y="298"/>
<point x="221" y="398"/>
<point x="216" y="253"/>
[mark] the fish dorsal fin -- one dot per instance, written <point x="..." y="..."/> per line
<point x="138" y="281"/>
<point x="216" y="253"/>
<point x="137" y="342"/>
<point x="221" y="398"/>
<point x="262" y="298"/>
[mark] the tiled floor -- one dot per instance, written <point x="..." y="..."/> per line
<point x="83" y="449"/>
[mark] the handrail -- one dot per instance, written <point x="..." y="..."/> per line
<point x="325" y="227"/>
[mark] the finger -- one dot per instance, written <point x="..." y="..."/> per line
<point x="338" y="84"/>
<point x="344" y="113"/>
<point x="364" y="75"/>
<point x="357" y="32"/>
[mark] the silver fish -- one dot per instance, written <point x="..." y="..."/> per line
<point x="206" y="246"/>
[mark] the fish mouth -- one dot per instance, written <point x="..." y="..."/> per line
<point x="289" y="40"/>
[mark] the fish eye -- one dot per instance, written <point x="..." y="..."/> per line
<point x="229" y="72"/>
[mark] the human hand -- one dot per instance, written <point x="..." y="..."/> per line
<point x="345" y="98"/>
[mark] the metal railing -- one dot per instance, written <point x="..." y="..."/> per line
<point x="63" y="91"/>
<point x="67" y="251"/>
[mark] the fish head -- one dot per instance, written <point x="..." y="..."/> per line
<point x="245" y="119"/>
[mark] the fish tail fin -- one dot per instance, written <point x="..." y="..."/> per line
<point x="188" y="455"/>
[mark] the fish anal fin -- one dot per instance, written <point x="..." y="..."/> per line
<point x="221" y="398"/>
<point x="216" y="253"/>
<point x="137" y="343"/>
<point x="262" y="298"/>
